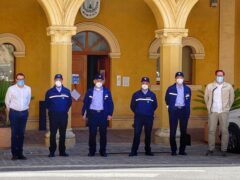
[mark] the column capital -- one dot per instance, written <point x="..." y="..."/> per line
<point x="171" y="36"/>
<point x="61" y="34"/>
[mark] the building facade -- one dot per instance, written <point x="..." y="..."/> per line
<point x="124" y="41"/>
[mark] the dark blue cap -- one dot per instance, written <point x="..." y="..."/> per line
<point x="145" y="79"/>
<point x="179" y="74"/>
<point x="58" y="76"/>
<point x="99" y="77"/>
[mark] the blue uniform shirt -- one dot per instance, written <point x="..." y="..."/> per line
<point x="144" y="104"/>
<point x="108" y="105"/>
<point x="97" y="100"/>
<point x="58" y="101"/>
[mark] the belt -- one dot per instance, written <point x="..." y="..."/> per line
<point x="18" y="111"/>
<point x="180" y="107"/>
<point x="96" y="111"/>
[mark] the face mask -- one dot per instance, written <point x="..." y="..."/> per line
<point x="220" y="79"/>
<point x="20" y="82"/>
<point x="180" y="81"/>
<point x="98" y="84"/>
<point x="58" y="83"/>
<point x="144" y="86"/>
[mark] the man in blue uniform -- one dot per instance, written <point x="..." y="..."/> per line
<point x="98" y="108"/>
<point x="178" y="97"/>
<point x="58" y="102"/>
<point x="143" y="105"/>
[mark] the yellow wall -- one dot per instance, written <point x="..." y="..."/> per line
<point x="203" y="24"/>
<point x="27" y="20"/>
<point x="133" y="24"/>
<point x="237" y="46"/>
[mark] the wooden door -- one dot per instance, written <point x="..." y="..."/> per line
<point x="79" y="66"/>
<point x="104" y="67"/>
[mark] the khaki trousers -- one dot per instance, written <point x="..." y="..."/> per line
<point x="213" y="120"/>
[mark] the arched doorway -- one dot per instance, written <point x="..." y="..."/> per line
<point x="90" y="56"/>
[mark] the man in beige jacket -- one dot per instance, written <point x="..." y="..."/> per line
<point x="219" y="97"/>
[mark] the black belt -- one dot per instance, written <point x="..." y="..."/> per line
<point x="96" y="111"/>
<point x="18" y="111"/>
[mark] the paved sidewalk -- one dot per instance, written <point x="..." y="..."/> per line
<point x="118" y="148"/>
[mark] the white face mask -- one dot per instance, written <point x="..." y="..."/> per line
<point x="58" y="83"/>
<point x="99" y="84"/>
<point x="180" y="81"/>
<point x="144" y="86"/>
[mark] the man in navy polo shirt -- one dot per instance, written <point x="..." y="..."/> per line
<point x="98" y="108"/>
<point x="143" y="104"/>
<point x="58" y="102"/>
<point x="178" y="98"/>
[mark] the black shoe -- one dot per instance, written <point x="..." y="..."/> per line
<point x="224" y="153"/>
<point x="149" y="154"/>
<point x="22" y="157"/>
<point x="14" y="158"/>
<point x="182" y="153"/>
<point x="173" y="153"/>
<point x="51" y="155"/>
<point x="64" y="154"/>
<point x="103" y="154"/>
<point x="132" y="154"/>
<point x="209" y="153"/>
<point x="91" y="154"/>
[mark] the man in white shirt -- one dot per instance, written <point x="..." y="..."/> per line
<point x="219" y="97"/>
<point x="17" y="101"/>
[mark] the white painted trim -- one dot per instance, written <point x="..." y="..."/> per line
<point x="105" y="32"/>
<point x="19" y="45"/>
<point x="196" y="46"/>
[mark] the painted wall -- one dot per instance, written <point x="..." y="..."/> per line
<point x="28" y="21"/>
<point x="133" y="24"/>
<point x="237" y="45"/>
<point x="203" y="24"/>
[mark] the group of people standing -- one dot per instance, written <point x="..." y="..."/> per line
<point x="98" y="109"/>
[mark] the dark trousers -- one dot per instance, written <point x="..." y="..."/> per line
<point x="139" y="123"/>
<point x="58" y="121"/>
<point x="182" y="116"/>
<point x="95" y="120"/>
<point x="18" y="120"/>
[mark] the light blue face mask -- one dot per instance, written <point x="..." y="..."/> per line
<point x="220" y="79"/>
<point x="20" y="82"/>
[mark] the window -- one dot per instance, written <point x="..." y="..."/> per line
<point x="7" y="62"/>
<point x="90" y="42"/>
<point x="187" y="64"/>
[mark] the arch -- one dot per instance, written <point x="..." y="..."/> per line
<point x="15" y="41"/>
<point x="196" y="46"/>
<point x="115" y="51"/>
<point x="173" y="13"/>
<point x="61" y="12"/>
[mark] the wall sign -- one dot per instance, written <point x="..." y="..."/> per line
<point x="90" y="8"/>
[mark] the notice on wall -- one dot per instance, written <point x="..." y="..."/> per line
<point x="126" y="81"/>
<point x="119" y="80"/>
<point x="75" y="94"/>
<point x="75" y="79"/>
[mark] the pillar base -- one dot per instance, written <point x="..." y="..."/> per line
<point x="69" y="142"/>
<point x="162" y="136"/>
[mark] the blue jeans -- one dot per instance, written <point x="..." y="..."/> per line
<point x="18" y="120"/>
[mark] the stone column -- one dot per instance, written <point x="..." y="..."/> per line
<point x="61" y="63"/>
<point x="171" y="62"/>
<point x="227" y="39"/>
